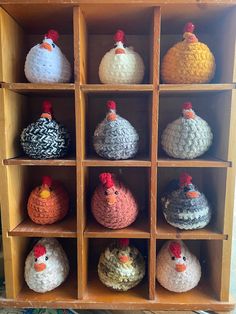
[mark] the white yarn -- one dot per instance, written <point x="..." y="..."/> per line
<point x="167" y="275"/>
<point x="56" y="271"/>
<point x="43" y="66"/>
<point x="127" y="68"/>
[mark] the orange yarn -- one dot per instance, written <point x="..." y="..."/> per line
<point x="48" y="210"/>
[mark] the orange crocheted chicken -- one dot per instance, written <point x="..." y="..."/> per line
<point x="48" y="203"/>
<point x="188" y="61"/>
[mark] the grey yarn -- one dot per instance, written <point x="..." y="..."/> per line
<point x="115" y="139"/>
<point x="45" y="139"/>
<point x="185" y="213"/>
<point x="187" y="138"/>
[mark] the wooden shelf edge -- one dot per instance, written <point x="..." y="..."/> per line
<point x="116" y="163"/>
<point x="111" y="235"/>
<point x="175" y="88"/>
<point x="33" y="87"/>
<point x="142" y="305"/>
<point x="37" y="162"/>
<point x="213" y="163"/>
<point x="190" y="236"/>
<point x="103" y="88"/>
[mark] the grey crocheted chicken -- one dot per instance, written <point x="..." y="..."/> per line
<point x="185" y="207"/>
<point x="187" y="137"/>
<point x="115" y="137"/>
<point x="46" y="138"/>
<point x="121" y="267"/>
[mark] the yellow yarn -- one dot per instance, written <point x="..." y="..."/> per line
<point x="187" y="63"/>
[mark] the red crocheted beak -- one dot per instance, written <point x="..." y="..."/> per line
<point x="46" y="45"/>
<point x="180" y="268"/>
<point x="39" y="267"/>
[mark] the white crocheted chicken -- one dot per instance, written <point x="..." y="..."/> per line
<point x="121" y="65"/>
<point x="45" y="63"/>
<point x="178" y="270"/>
<point x="46" y="266"/>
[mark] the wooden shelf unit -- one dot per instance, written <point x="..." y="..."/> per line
<point x="151" y="27"/>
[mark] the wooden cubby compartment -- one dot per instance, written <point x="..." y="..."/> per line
<point x="86" y="33"/>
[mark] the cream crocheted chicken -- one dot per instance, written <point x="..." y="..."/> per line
<point x="178" y="270"/>
<point x="45" y="63"/>
<point x="121" y="65"/>
<point x="187" y="137"/>
<point x="46" y="266"/>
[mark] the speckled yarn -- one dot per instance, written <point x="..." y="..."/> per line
<point x="185" y="207"/>
<point x="45" y="63"/>
<point x="113" y="205"/>
<point x="46" y="266"/>
<point x="188" y="61"/>
<point x="178" y="270"/>
<point x="115" y="137"/>
<point x="45" y="138"/>
<point x="121" y="65"/>
<point x="187" y="137"/>
<point x="121" y="267"/>
<point x="48" y="203"/>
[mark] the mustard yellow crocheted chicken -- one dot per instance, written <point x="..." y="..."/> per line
<point x="188" y="61"/>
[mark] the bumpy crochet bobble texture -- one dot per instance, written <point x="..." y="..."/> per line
<point x="188" y="61"/>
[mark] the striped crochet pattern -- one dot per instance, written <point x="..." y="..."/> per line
<point x="185" y="207"/>
<point x="188" y="61"/>
<point x="113" y="205"/>
<point x="187" y="137"/>
<point x="115" y="137"/>
<point x="45" y="138"/>
<point x="48" y="203"/>
<point x="121" y="266"/>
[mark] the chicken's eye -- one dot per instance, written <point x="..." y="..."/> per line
<point x="53" y="45"/>
<point x="124" y="46"/>
<point x="35" y="260"/>
<point x="46" y="258"/>
<point x="106" y="193"/>
<point x="173" y="258"/>
<point x="115" y="45"/>
<point x="186" y="189"/>
<point x="184" y="258"/>
<point x="116" y="192"/>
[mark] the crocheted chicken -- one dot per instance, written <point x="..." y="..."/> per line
<point x="178" y="270"/>
<point x="115" y="137"/>
<point x="45" y="63"/>
<point x="121" y="267"/>
<point x="121" y="65"/>
<point x="45" y="138"/>
<point x="113" y="205"/>
<point x="187" y="137"/>
<point x="46" y="266"/>
<point x="185" y="207"/>
<point x="188" y="61"/>
<point x="48" y="203"/>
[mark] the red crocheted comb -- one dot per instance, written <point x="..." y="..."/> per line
<point x="185" y="179"/>
<point x="52" y="34"/>
<point x="175" y="249"/>
<point x="39" y="250"/>
<point x="189" y="27"/>
<point x="119" y="36"/>
<point x="111" y="105"/>
<point x="46" y="180"/>
<point x="106" y="180"/>
<point x="187" y="106"/>
<point x="47" y="107"/>
<point x="124" y="242"/>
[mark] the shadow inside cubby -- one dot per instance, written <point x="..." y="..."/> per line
<point x="66" y="291"/>
<point x="96" y="290"/>
<point x="213" y="107"/>
<point x="209" y="286"/>
<point x="212" y="23"/>
<point x="209" y="181"/>
<point x="27" y="179"/>
<point x="28" y="109"/>
<point x="140" y="189"/>
<point x="101" y="29"/>
<point x="136" y="108"/>
<point x="28" y="29"/>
